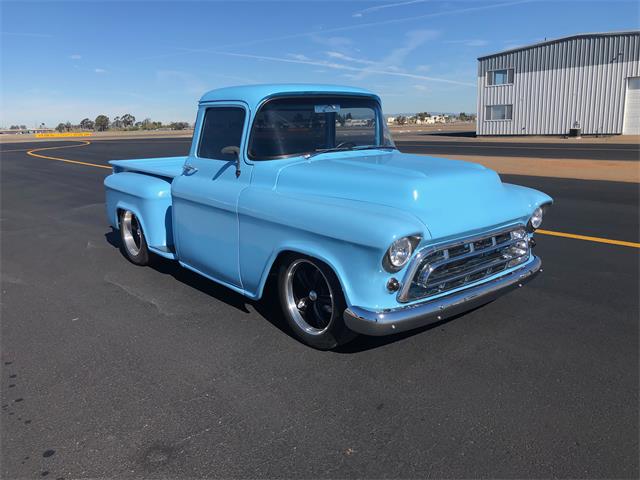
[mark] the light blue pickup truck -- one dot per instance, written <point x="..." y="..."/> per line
<point x="303" y="183"/>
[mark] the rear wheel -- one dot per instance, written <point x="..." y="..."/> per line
<point x="132" y="240"/>
<point x="313" y="302"/>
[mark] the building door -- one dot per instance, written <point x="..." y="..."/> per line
<point x="631" y="124"/>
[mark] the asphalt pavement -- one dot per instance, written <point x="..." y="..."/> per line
<point x="113" y="370"/>
<point x="554" y="149"/>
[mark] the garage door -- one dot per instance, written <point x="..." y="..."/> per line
<point x="632" y="108"/>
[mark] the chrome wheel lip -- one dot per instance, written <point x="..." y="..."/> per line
<point x="131" y="233"/>
<point x="292" y="305"/>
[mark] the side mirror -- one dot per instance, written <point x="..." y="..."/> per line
<point x="235" y="151"/>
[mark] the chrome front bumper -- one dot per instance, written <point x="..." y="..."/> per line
<point x="396" y="320"/>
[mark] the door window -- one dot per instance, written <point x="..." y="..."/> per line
<point x="221" y="130"/>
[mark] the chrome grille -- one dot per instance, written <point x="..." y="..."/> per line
<point x="440" y="269"/>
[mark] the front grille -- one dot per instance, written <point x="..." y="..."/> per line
<point x="443" y="268"/>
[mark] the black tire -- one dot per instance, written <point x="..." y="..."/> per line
<point x="133" y="243"/>
<point x="314" y="316"/>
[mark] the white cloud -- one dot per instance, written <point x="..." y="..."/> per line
<point x="360" y="13"/>
<point x="348" y="68"/>
<point x="337" y="41"/>
<point x="297" y="56"/>
<point x="100" y="70"/>
<point x="423" y="68"/>
<point x="348" y="58"/>
<point x="75" y="56"/>
<point x="333" y="42"/>
<point x="395" y="59"/>
<point x="475" y="42"/>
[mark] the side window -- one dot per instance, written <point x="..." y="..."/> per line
<point x="500" y="77"/>
<point x="499" y="112"/>
<point x="222" y="127"/>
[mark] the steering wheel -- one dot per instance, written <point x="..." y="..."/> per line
<point x="345" y="144"/>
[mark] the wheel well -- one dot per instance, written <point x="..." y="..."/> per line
<point x="119" y="212"/>
<point x="279" y="260"/>
<point x="285" y="254"/>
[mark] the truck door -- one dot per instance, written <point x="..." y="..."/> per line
<point x="205" y="196"/>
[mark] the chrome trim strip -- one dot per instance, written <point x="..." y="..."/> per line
<point x="403" y="293"/>
<point x="400" y="319"/>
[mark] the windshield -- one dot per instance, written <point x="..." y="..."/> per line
<point x="307" y="125"/>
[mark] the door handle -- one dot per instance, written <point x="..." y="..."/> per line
<point x="188" y="169"/>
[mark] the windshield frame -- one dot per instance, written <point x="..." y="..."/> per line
<point x="333" y="95"/>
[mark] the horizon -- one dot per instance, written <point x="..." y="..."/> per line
<point x="418" y="55"/>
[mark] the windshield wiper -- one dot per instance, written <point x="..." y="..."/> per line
<point x="374" y="147"/>
<point x="346" y="149"/>
<point x="327" y="150"/>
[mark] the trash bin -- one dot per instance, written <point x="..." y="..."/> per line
<point x="576" y="131"/>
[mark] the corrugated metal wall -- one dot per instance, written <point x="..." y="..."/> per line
<point x="556" y="84"/>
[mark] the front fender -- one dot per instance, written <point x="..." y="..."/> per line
<point x="528" y="196"/>
<point x="350" y="236"/>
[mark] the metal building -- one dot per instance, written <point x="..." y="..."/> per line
<point x="590" y="81"/>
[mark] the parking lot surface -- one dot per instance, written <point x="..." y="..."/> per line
<point x="112" y="370"/>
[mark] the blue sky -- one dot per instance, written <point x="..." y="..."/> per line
<point x="66" y="61"/>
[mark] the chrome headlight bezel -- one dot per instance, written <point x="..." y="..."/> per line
<point x="537" y="217"/>
<point x="408" y="244"/>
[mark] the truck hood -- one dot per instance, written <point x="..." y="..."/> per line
<point x="450" y="197"/>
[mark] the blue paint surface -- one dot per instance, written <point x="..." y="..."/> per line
<point x="344" y="208"/>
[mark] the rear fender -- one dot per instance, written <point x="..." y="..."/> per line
<point x="149" y="198"/>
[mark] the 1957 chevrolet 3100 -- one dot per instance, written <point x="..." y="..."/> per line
<point x="303" y="182"/>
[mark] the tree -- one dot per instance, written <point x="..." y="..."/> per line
<point x="86" y="124"/>
<point x="101" y="123"/>
<point x="401" y="119"/>
<point x="178" y="125"/>
<point x="127" y="120"/>
<point x="61" y="127"/>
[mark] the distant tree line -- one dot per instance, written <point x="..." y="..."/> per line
<point x="125" y="122"/>
<point x="429" y="118"/>
<point x="18" y="127"/>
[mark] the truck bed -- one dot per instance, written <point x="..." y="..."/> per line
<point x="168" y="167"/>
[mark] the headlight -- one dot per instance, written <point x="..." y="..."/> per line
<point x="536" y="219"/>
<point x="399" y="253"/>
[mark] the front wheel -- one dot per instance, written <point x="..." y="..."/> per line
<point x="132" y="241"/>
<point x="313" y="302"/>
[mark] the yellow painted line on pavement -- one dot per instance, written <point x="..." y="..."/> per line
<point x="82" y="143"/>
<point x="589" y="239"/>
<point x="67" y="134"/>
<point x="15" y="150"/>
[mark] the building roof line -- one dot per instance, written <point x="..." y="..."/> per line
<point x="560" y="39"/>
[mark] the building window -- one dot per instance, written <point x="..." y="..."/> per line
<point x="499" y="112"/>
<point x="500" y="77"/>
